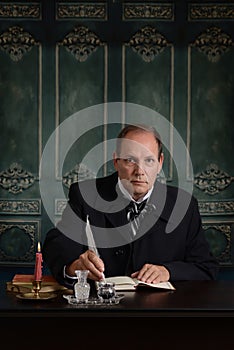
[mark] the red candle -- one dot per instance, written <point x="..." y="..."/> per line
<point x="38" y="264"/>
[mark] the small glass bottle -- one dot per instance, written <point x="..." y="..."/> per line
<point x="82" y="287"/>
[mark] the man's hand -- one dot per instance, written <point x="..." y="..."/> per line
<point x="152" y="274"/>
<point x="87" y="261"/>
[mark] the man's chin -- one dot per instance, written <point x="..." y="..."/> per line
<point x="139" y="191"/>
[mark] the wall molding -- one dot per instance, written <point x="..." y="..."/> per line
<point x="15" y="179"/>
<point x="84" y="10"/>
<point x="212" y="180"/>
<point x="216" y="207"/>
<point x="154" y="11"/>
<point x="31" y="229"/>
<point x="217" y="11"/>
<point x="20" y="207"/>
<point x="23" y="10"/>
<point x="225" y="257"/>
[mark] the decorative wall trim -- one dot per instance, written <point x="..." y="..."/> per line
<point x="148" y="43"/>
<point x="16" y="42"/>
<point x="60" y="205"/>
<point x="225" y="257"/>
<point x="20" y="207"/>
<point x="210" y="11"/>
<point x="30" y="228"/>
<point x="15" y="179"/>
<point x="148" y="11"/>
<point x="83" y="10"/>
<point x="21" y="10"/>
<point x="216" y="207"/>
<point x="81" y="58"/>
<point x="79" y="172"/>
<point x="212" y="180"/>
<point x="213" y="43"/>
<point x="81" y="43"/>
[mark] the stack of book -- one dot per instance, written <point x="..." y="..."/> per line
<point x="23" y="284"/>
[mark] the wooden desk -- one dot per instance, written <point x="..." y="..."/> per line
<point x="196" y="309"/>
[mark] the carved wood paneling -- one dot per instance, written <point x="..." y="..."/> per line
<point x="217" y="11"/>
<point x="152" y="10"/>
<point x="91" y="10"/>
<point x="15" y="179"/>
<point x="216" y="207"/>
<point x="213" y="43"/>
<point x="219" y="236"/>
<point x="17" y="230"/>
<point x="20" y="207"/>
<point x="79" y="172"/>
<point x="148" y="43"/>
<point x="212" y="180"/>
<point x="81" y="43"/>
<point x="23" y="10"/>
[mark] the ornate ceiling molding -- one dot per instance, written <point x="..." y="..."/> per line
<point x="21" y="10"/>
<point x="149" y="11"/>
<point x="83" y="10"/>
<point x="15" y="179"/>
<point x="16" y="43"/>
<point x="213" y="43"/>
<point x="81" y="43"/>
<point x="148" y="43"/>
<point x="211" y="11"/>
<point x="79" y="173"/>
<point x="212" y="180"/>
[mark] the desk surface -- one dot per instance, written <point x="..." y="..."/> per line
<point x="193" y="298"/>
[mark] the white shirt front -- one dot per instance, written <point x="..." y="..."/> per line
<point x="128" y="196"/>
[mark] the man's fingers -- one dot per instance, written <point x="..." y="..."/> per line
<point x="90" y="261"/>
<point x="153" y="274"/>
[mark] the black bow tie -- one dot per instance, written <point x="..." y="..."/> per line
<point x="134" y="209"/>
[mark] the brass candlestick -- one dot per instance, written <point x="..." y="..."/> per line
<point x="36" y="288"/>
<point x="35" y="295"/>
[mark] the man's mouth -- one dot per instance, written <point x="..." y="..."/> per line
<point x="138" y="182"/>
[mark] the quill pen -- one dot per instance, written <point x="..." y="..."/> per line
<point x="91" y="243"/>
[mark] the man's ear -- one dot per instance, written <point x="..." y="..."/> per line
<point x="160" y="162"/>
<point x="115" y="160"/>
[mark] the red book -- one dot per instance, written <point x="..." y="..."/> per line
<point x="20" y="278"/>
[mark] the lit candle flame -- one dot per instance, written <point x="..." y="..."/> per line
<point x="38" y="247"/>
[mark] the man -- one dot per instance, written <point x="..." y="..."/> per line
<point x="129" y="212"/>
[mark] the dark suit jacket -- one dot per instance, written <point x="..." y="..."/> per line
<point x="184" y="251"/>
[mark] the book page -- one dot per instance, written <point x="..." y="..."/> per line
<point x="122" y="283"/>
<point x="163" y="285"/>
<point x="128" y="283"/>
<point x="118" y="280"/>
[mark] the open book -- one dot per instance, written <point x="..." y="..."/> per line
<point x="126" y="283"/>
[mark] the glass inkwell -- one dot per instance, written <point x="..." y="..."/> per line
<point x="106" y="291"/>
<point x="82" y="287"/>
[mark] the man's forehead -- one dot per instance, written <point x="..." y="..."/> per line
<point x="134" y="146"/>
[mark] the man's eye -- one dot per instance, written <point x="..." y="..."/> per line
<point x="150" y="161"/>
<point x="130" y="160"/>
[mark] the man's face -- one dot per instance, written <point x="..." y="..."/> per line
<point x="137" y="164"/>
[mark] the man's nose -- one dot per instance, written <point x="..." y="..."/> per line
<point x="139" y="167"/>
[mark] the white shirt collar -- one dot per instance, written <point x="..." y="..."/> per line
<point x="128" y="196"/>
